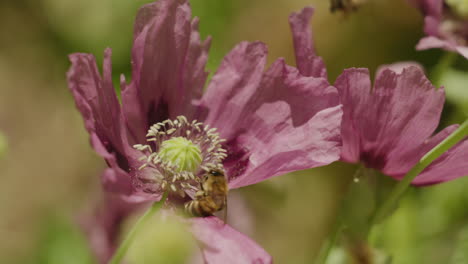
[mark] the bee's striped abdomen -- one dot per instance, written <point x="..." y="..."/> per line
<point x="204" y="206"/>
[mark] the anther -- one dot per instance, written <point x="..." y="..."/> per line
<point x="182" y="150"/>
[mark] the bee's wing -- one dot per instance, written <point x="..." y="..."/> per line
<point x="225" y="210"/>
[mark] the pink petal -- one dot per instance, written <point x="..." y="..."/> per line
<point x="354" y="86"/>
<point x="432" y="7"/>
<point x="431" y="25"/>
<point x="400" y="113"/>
<point x="414" y="112"/>
<point x="433" y="11"/>
<point x="233" y="84"/>
<point x="451" y="165"/>
<point x="96" y="99"/>
<point x="398" y="67"/>
<point x="433" y="42"/>
<point x="274" y="122"/>
<point x="223" y="244"/>
<point x="114" y="178"/>
<point x="401" y="164"/>
<point x="168" y="60"/>
<point x="288" y="148"/>
<point x="308" y="63"/>
<point x="390" y="128"/>
<point x="462" y="50"/>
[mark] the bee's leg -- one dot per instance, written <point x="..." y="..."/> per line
<point x="199" y="194"/>
<point x="208" y="206"/>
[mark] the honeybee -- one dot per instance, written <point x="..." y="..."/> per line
<point x="212" y="197"/>
<point x="346" y="6"/>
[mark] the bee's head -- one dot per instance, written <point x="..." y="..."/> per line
<point x="217" y="173"/>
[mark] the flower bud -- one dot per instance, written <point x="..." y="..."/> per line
<point x="460" y="7"/>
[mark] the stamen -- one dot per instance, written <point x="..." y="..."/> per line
<point x="179" y="153"/>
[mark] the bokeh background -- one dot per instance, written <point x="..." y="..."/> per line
<point x="49" y="173"/>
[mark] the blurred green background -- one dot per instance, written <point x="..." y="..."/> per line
<point x="49" y="174"/>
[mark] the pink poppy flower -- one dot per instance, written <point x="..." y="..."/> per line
<point x="445" y="24"/>
<point x="387" y="126"/>
<point x="251" y="123"/>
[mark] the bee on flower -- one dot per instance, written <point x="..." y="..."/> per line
<point x="168" y="137"/>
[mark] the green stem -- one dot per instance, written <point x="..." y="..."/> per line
<point x="444" y="63"/>
<point x="337" y="227"/>
<point x="120" y="253"/>
<point x="327" y="247"/>
<point x="403" y="185"/>
<point x="3" y="145"/>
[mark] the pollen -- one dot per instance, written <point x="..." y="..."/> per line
<point x="177" y="154"/>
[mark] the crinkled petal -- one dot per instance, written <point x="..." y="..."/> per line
<point x="354" y="86"/>
<point x="95" y="98"/>
<point x="434" y="42"/>
<point x="114" y="178"/>
<point x="223" y="244"/>
<point x="313" y="144"/>
<point x="415" y="107"/>
<point x="402" y="163"/>
<point x="168" y="60"/>
<point x="400" y="113"/>
<point x="397" y="67"/>
<point x="308" y="63"/>
<point x="389" y="128"/>
<point x="232" y="86"/>
<point x="274" y="122"/>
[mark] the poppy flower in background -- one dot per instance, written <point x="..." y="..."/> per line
<point x="388" y="126"/>
<point x="445" y="24"/>
<point x="251" y="123"/>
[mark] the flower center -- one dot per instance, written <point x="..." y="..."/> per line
<point x="178" y="154"/>
<point x="182" y="153"/>
<point x="460" y="7"/>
